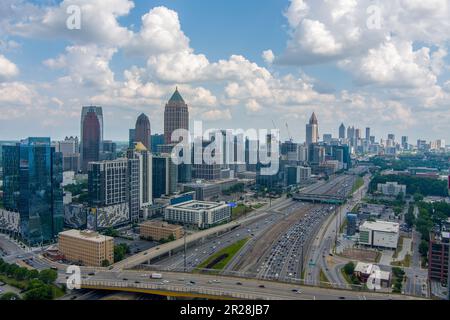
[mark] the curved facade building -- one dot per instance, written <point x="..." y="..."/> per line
<point x="143" y="131"/>
<point x="176" y="116"/>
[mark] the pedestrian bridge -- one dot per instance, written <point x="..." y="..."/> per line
<point x="319" y="198"/>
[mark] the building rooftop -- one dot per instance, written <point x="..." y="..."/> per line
<point x="87" y="235"/>
<point x="380" y="225"/>
<point x="197" y="205"/>
<point x="160" y="224"/>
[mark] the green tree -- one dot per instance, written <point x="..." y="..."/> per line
<point x="48" y="276"/>
<point x="9" y="296"/>
<point x="423" y="248"/>
<point x="105" y="263"/>
<point x="42" y="292"/>
<point x="349" y="268"/>
<point x="417" y="197"/>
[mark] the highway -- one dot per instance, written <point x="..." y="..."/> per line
<point x="221" y="287"/>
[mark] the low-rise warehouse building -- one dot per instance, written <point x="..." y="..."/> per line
<point x="379" y="233"/>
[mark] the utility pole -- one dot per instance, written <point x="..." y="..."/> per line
<point x="185" y="267"/>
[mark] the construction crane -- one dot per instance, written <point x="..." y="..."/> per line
<point x="291" y="139"/>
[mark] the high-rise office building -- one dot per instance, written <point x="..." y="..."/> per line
<point x="165" y="176"/>
<point x="91" y="135"/>
<point x="143" y="132"/>
<point x="70" y="150"/>
<point x="176" y="116"/>
<point x="156" y="140"/>
<point x="32" y="172"/>
<point x="202" y="169"/>
<point x="391" y="137"/>
<point x="132" y="138"/>
<point x="404" y="142"/>
<point x="144" y="156"/>
<point x="114" y="191"/>
<point x="327" y="138"/>
<point x="342" y="131"/>
<point x="367" y="133"/>
<point x="312" y="130"/>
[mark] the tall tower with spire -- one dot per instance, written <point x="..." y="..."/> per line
<point x="176" y="116"/>
<point x="312" y="130"/>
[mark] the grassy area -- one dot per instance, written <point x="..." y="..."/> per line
<point x="404" y="263"/>
<point x="23" y="285"/>
<point x="240" y="210"/>
<point x="223" y="257"/>
<point x="358" y="184"/>
<point x="399" y="247"/>
<point x="324" y="280"/>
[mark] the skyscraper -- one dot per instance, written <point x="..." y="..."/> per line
<point x="114" y="192"/>
<point x="342" y="131"/>
<point x="312" y="130"/>
<point x="91" y="135"/>
<point x="144" y="156"/>
<point x="143" y="131"/>
<point x="176" y="116"/>
<point x="32" y="173"/>
<point x="367" y="133"/>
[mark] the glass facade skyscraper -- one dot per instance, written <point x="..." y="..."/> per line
<point x="33" y="176"/>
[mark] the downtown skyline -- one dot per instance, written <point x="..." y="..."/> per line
<point x="313" y="59"/>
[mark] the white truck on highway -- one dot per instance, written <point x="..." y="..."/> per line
<point x="156" y="276"/>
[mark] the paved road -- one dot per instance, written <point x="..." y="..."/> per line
<point x="220" y="285"/>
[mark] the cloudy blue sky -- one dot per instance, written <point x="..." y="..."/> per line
<point x="238" y="63"/>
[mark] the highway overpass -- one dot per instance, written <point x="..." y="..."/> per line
<point x="189" y="285"/>
<point x="319" y="198"/>
<point x="168" y="248"/>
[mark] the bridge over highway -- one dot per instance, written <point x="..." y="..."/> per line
<point x="215" y="287"/>
<point x="319" y="198"/>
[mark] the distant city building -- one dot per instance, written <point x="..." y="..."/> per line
<point x="91" y="135"/>
<point x="156" y="140"/>
<point x="199" y="213"/>
<point x="205" y="171"/>
<point x="86" y="247"/>
<point x="132" y="138"/>
<point x="342" y="131"/>
<point x="109" y="150"/>
<point x="405" y="145"/>
<point x="379" y="233"/>
<point x="367" y="133"/>
<point x="312" y="130"/>
<point x="391" y="188"/>
<point x="165" y="176"/>
<point x="143" y="131"/>
<point x="159" y="230"/>
<point x="327" y="138"/>
<point x="176" y="116"/>
<point x="33" y="176"/>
